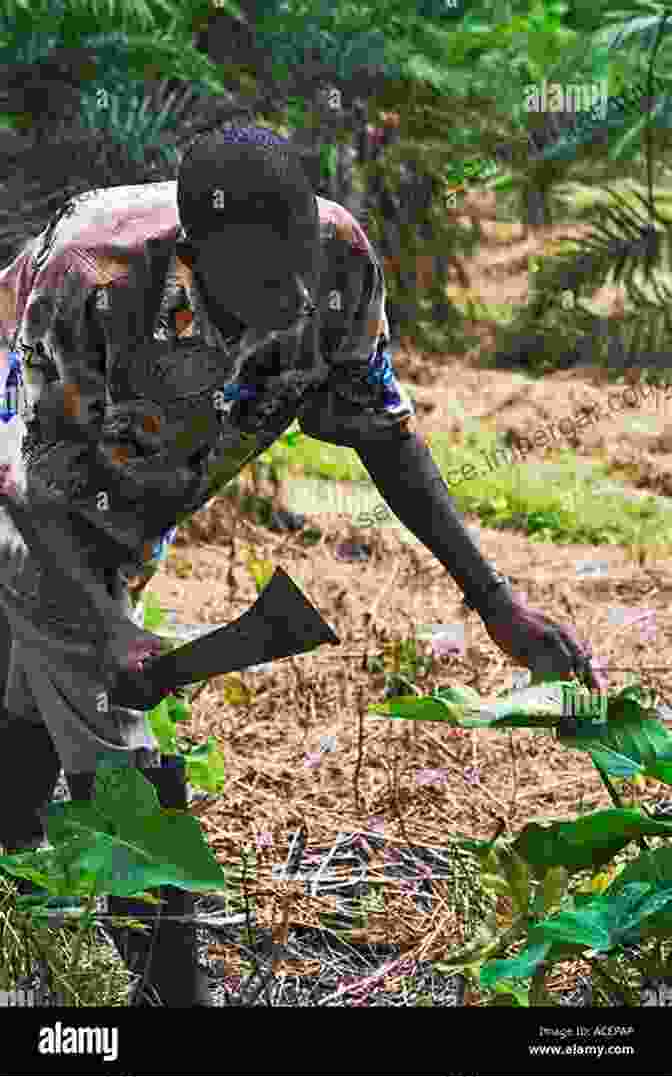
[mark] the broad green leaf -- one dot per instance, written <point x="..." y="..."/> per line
<point x="521" y="966"/>
<point x="127" y="843"/>
<point x="553" y="888"/>
<point x="178" y="711"/>
<point x="153" y="615"/>
<point x="648" y="907"/>
<point x="545" y="698"/>
<point x="615" y="763"/>
<point x="515" y="720"/>
<point x="586" y="927"/>
<point x="631" y="740"/>
<point x="587" y="842"/>
<point x="434" y="708"/>
<point x="205" y="767"/>
<point x="114" y="786"/>
<point x="641" y="742"/>
<point x="418" y="709"/>
<point x="608" y="919"/>
<point x="655" y="867"/>
<point x="143" y="854"/>
<point x="461" y="693"/>
<point x="652" y="866"/>
<point x="51" y="870"/>
<point x="163" y="728"/>
<point x="518" y="875"/>
<point x="520" y="994"/>
<point x="599" y="925"/>
<point x="34" y="866"/>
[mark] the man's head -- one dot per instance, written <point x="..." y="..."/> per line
<point x="252" y="221"/>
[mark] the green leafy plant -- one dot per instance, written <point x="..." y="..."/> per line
<point x="623" y="906"/>
<point x="205" y="763"/>
<point x="120" y="843"/>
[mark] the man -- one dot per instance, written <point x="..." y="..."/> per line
<point x="286" y="292"/>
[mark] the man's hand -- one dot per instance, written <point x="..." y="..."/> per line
<point x="125" y="649"/>
<point x="8" y="486"/>
<point x="545" y="647"/>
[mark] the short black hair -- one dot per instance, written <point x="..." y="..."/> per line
<point x="259" y="178"/>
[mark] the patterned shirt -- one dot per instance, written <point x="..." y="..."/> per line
<point x="110" y="273"/>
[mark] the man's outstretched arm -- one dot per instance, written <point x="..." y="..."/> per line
<point x="406" y="475"/>
<point x="404" y="471"/>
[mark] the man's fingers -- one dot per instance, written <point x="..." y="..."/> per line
<point x="582" y="660"/>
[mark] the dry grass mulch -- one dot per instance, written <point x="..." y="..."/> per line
<point x="407" y="785"/>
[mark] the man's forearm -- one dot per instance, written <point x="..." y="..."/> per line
<point x="403" y="470"/>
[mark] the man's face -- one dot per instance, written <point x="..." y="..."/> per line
<point x="251" y="272"/>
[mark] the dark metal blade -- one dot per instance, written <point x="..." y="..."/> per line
<point x="282" y="622"/>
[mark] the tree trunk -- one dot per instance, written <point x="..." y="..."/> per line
<point x="535" y="208"/>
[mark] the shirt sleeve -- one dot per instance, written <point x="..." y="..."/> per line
<point x="362" y="398"/>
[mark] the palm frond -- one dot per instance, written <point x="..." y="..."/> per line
<point x="136" y="134"/>
<point x="627" y="245"/>
<point x="623" y="242"/>
<point x="106" y="59"/>
<point x="173" y="57"/>
<point x="137" y="118"/>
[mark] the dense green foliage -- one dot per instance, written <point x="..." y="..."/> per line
<point x="623" y="905"/>
<point x="111" y="92"/>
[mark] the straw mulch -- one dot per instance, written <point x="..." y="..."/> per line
<point x="373" y="803"/>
